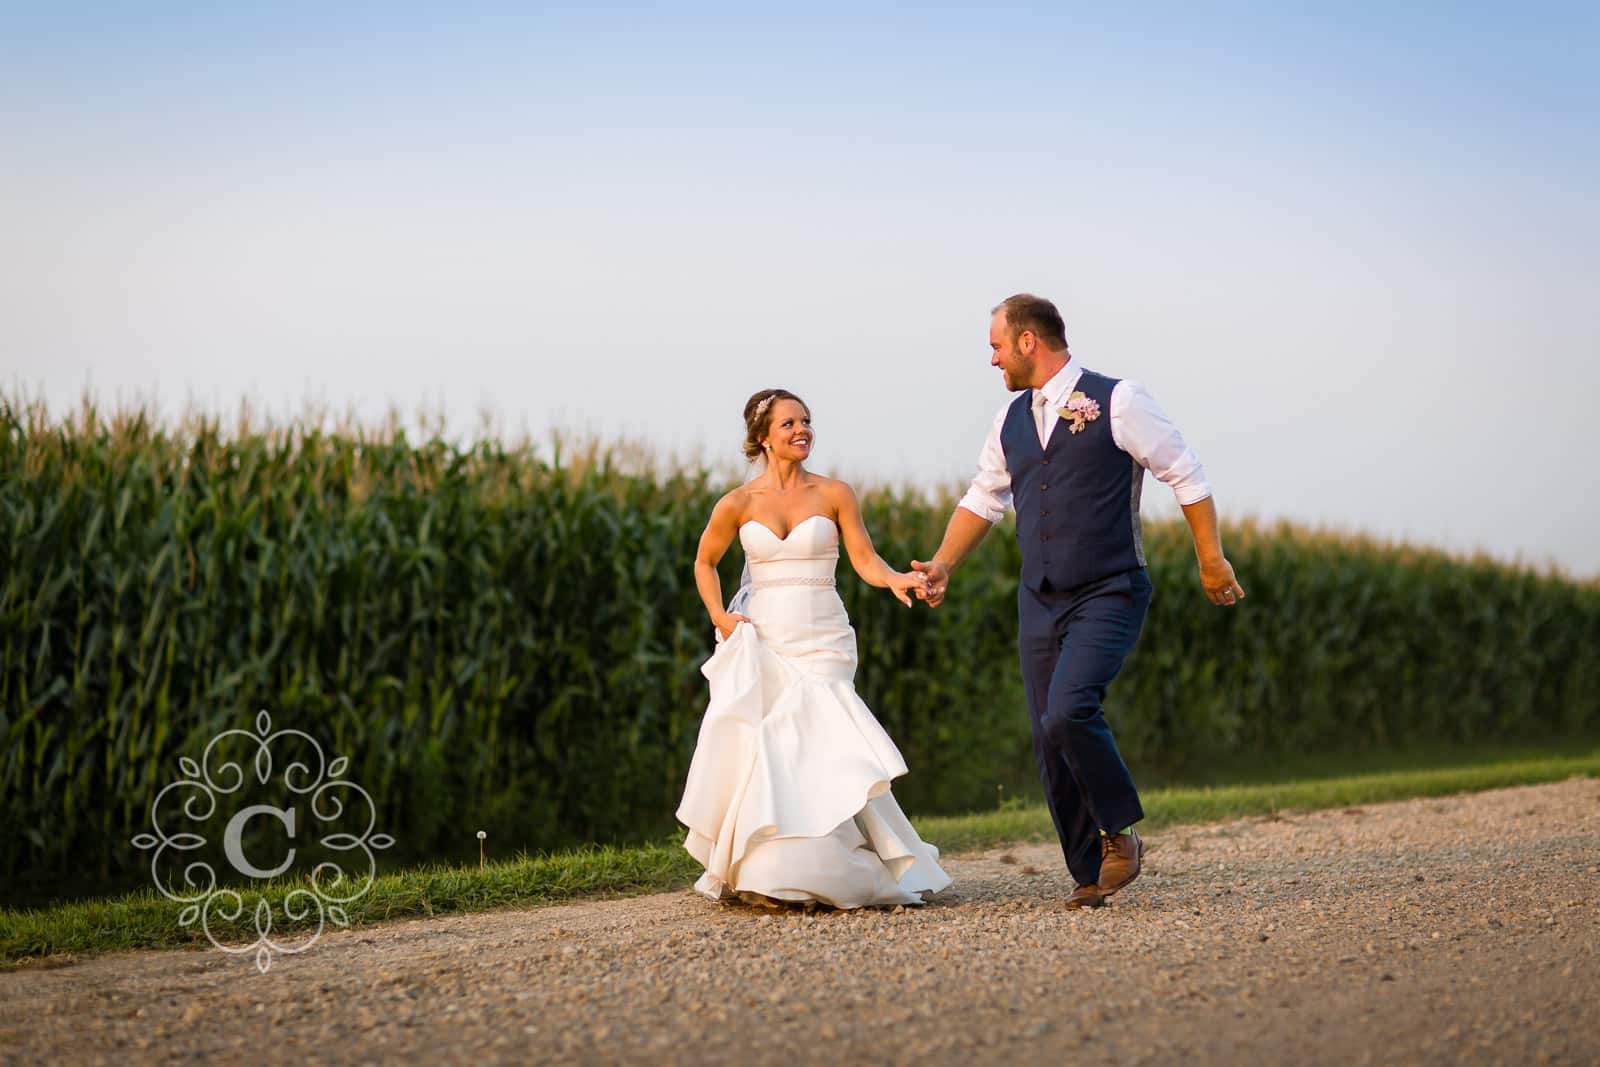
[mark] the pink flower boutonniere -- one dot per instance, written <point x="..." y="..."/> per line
<point x="1080" y="410"/>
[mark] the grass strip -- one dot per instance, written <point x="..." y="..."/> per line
<point x="148" y="920"/>
<point x="1176" y="806"/>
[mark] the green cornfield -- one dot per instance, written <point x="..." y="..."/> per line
<point x="507" y="636"/>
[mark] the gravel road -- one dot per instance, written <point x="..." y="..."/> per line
<point x="1457" y="930"/>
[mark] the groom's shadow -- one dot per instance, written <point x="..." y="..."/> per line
<point x="992" y="877"/>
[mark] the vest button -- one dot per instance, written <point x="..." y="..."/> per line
<point x="1045" y="461"/>
<point x="1046" y="485"/>
<point x="1044" y="537"/>
<point x="1043" y="513"/>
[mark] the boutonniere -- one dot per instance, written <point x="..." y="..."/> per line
<point x="1080" y="411"/>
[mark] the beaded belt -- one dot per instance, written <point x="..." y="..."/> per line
<point x="773" y="583"/>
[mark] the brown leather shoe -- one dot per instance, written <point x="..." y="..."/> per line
<point x="1086" y="896"/>
<point x="1119" y="860"/>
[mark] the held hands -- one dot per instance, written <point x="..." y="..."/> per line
<point x="938" y="580"/>
<point x="1222" y="588"/>
<point x="727" y="622"/>
<point x="904" y="583"/>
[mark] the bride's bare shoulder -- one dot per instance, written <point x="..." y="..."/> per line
<point x="733" y="503"/>
<point x="834" y="490"/>
<point x="840" y="498"/>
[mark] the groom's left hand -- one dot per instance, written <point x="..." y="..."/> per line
<point x="1222" y="588"/>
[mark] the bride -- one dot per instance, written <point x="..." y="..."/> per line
<point x="788" y="792"/>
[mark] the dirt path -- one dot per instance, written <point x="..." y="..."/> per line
<point x="1463" y="930"/>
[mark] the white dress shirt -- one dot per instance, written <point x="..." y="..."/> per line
<point x="1138" y="426"/>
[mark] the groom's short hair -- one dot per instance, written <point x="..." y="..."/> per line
<point x="1028" y="312"/>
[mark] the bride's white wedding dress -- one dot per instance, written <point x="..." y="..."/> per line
<point x="788" y="792"/>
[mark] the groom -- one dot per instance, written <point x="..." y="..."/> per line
<point x="1070" y="454"/>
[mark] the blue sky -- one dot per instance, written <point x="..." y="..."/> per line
<point x="1350" y="248"/>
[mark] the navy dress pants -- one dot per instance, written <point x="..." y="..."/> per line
<point x="1072" y="645"/>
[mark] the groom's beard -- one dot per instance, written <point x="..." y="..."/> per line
<point x="1016" y="379"/>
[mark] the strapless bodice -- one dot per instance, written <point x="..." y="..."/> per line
<point x="810" y="552"/>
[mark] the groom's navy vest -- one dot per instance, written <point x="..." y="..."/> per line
<point x="1076" y="498"/>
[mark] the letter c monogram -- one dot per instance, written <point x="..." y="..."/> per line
<point x="231" y="845"/>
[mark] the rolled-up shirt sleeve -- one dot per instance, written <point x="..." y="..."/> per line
<point x="1141" y="429"/>
<point x="990" y="492"/>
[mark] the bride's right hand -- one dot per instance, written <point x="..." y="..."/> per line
<point x="727" y="623"/>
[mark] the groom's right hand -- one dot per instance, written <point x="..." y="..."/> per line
<point x="938" y="576"/>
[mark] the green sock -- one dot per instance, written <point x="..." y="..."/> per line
<point x="1125" y="830"/>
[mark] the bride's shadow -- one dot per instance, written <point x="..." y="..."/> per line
<point x="758" y="903"/>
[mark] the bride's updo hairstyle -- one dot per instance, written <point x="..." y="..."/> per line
<point x="758" y="418"/>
